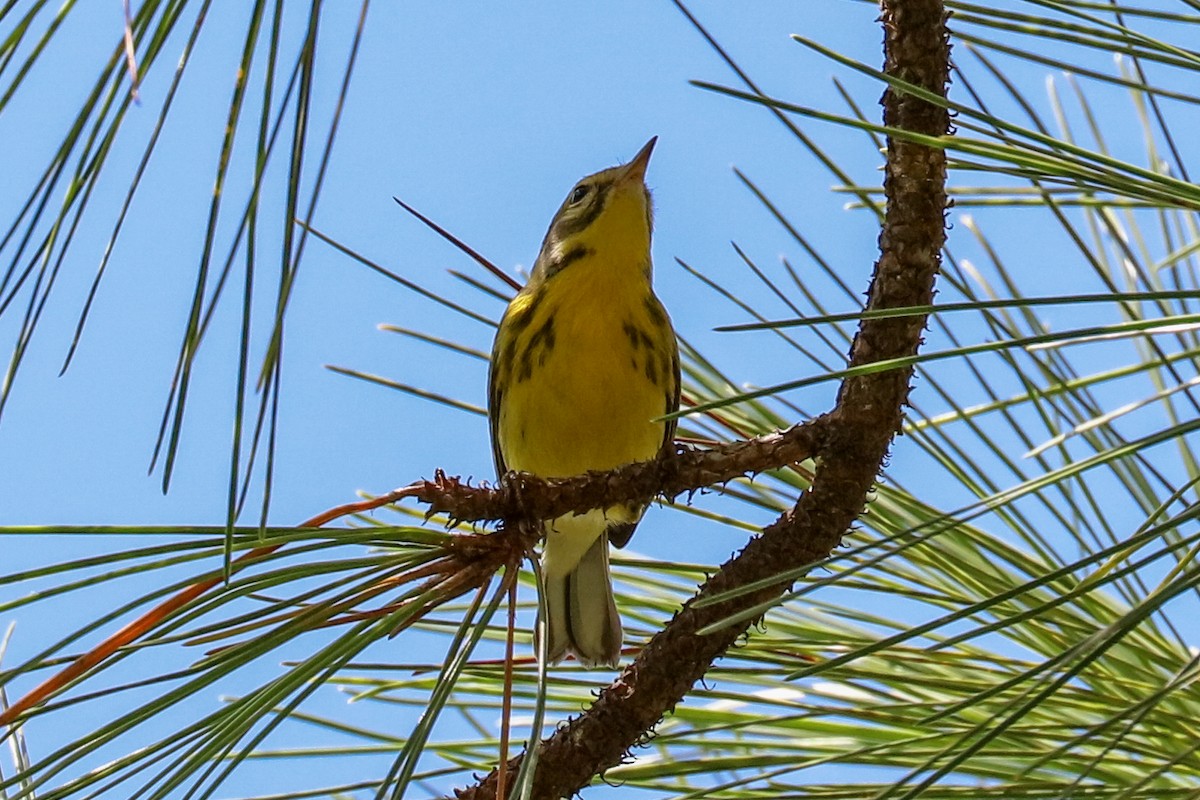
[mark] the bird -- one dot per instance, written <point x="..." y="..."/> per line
<point x="584" y="368"/>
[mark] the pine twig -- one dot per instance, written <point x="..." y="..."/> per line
<point x="854" y="443"/>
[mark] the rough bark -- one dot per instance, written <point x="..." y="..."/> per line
<point x="525" y="496"/>
<point x="854" y="441"/>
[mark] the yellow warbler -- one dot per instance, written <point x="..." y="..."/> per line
<point x="584" y="362"/>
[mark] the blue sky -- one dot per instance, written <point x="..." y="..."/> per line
<point x="481" y="122"/>
<point x="480" y="116"/>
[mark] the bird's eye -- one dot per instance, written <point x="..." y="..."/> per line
<point x="578" y="195"/>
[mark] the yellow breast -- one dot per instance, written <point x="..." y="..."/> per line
<point x="590" y="368"/>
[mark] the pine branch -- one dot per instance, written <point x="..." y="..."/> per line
<point x="849" y="444"/>
<point x="851" y="452"/>
<point x="470" y="560"/>
<point x="522" y="496"/>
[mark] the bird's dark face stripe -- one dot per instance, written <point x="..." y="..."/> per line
<point x="566" y="225"/>
<point x="566" y="259"/>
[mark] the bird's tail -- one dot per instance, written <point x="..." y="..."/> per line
<point x="581" y="615"/>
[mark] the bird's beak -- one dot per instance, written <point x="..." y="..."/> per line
<point x="635" y="170"/>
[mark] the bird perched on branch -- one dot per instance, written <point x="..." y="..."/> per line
<point x="584" y="367"/>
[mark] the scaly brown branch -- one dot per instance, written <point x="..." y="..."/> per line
<point x="855" y="438"/>
<point x="524" y="496"/>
